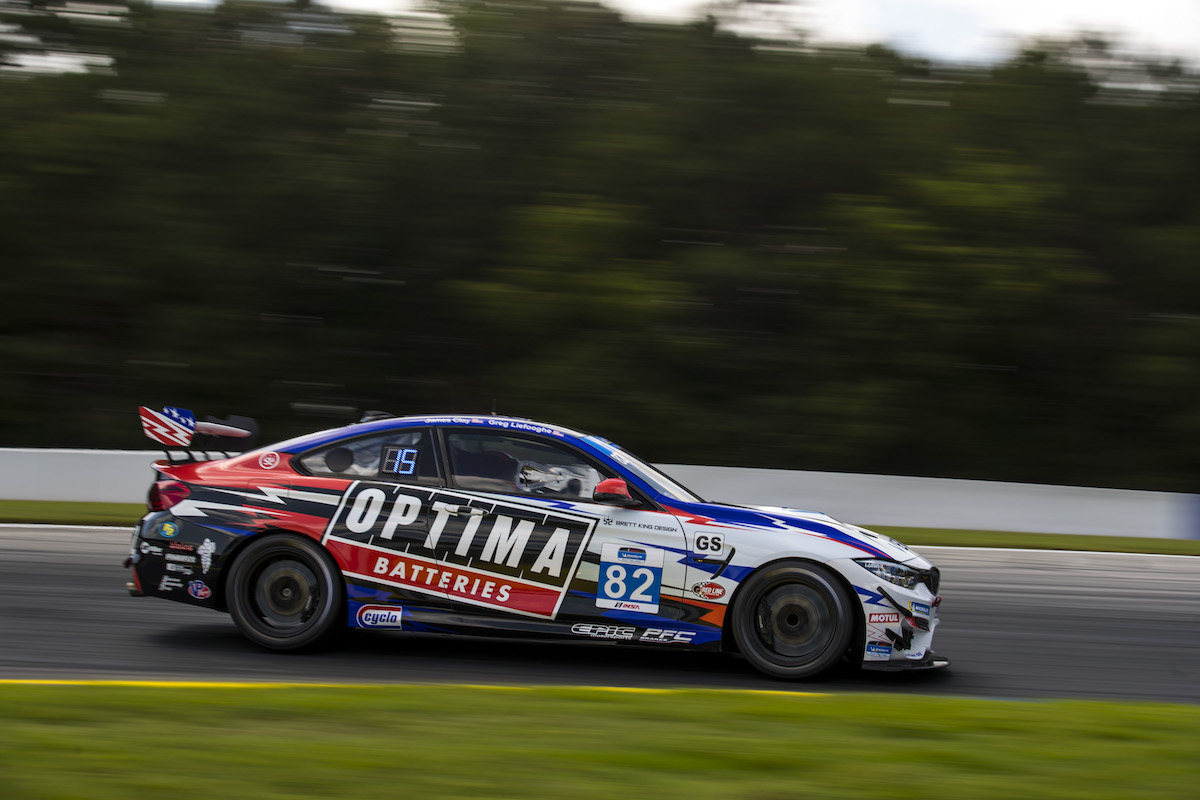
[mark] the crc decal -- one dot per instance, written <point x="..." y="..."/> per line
<point x="664" y="635"/>
<point x="630" y="577"/>
<point x="881" y="618"/>
<point x="168" y="530"/>
<point x="199" y="590"/>
<point x="379" y="617"/>
<point x="205" y="551"/>
<point x="603" y="631"/>
<point x="269" y="460"/>
<point x="710" y="544"/>
<point x="493" y="553"/>
<point x="708" y="590"/>
<point x="919" y="608"/>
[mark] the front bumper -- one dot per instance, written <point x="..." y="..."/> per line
<point x="899" y="622"/>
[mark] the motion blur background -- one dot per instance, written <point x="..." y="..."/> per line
<point x="714" y="241"/>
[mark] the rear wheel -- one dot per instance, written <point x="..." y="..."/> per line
<point x="285" y="592"/>
<point x="793" y="619"/>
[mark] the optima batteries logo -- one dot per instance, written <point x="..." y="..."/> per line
<point x="379" y="617"/>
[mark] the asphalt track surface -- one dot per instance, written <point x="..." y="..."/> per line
<point x="1015" y="624"/>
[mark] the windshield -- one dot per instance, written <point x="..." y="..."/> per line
<point x="656" y="478"/>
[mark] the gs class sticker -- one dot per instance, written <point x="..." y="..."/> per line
<point x="709" y="544"/>
<point x="630" y="577"/>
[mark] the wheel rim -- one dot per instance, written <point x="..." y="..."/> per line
<point x="286" y="593"/>
<point x="794" y="621"/>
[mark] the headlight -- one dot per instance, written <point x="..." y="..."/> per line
<point x="892" y="572"/>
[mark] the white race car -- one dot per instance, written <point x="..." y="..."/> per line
<point x="502" y="526"/>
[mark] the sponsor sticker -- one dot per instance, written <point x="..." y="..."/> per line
<point x="603" y="631"/>
<point x="150" y="550"/>
<point x="199" y="590"/>
<point x="878" y="651"/>
<point x="169" y="583"/>
<point x="269" y="460"/>
<point x="709" y="590"/>
<point x="666" y="635"/>
<point x="710" y="544"/>
<point x="919" y="608"/>
<point x="379" y="617"/>
<point x="630" y="577"/>
<point x="880" y="618"/>
<point x="495" y="553"/>
<point x="631" y="554"/>
<point x="915" y="654"/>
<point x="205" y="551"/>
<point x="179" y="568"/>
<point x="168" y="530"/>
<point x="181" y="546"/>
<point x="182" y="559"/>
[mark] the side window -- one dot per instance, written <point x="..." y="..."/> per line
<point x="491" y="462"/>
<point x="406" y="456"/>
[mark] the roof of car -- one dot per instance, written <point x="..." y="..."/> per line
<point x="497" y="423"/>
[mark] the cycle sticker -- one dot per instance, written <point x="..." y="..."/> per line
<point x="630" y="577"/>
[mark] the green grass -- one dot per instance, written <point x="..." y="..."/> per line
<point x="1041" y="541"/>
<point x="38" y="511"/>
<point x="63" y="513"/>
<point x="453" y="742"/>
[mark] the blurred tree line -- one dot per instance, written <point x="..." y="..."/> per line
<point x="710" y="247"/>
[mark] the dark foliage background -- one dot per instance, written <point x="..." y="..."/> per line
<point x="711" y="248"/>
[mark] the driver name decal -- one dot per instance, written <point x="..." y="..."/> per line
<point x="490" y="553"/>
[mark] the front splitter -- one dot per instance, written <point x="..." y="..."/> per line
<point x="930" y="661"/>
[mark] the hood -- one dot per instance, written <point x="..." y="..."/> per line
<point x="777" y="518"/>
<point x="897" y="551"/>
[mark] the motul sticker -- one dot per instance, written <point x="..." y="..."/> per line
<point x="883" y="619"/>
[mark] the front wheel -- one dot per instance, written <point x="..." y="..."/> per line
<point x="285" y="592"/>
<point x="793" y="619"/>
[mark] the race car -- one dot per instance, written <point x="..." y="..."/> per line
<point x="492" y="525"/>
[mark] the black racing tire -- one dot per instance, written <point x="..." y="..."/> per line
<point x="793" y="619"/>
<point x="285" y="592"/>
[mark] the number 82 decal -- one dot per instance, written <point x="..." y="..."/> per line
<point x="630" y="577"/>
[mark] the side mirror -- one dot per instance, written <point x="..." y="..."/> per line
<point x="614" y="492"/>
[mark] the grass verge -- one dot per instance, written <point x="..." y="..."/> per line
<point x="1041" y="541"/>
<point x="63" y="513"/>
<point x="37" y="511"/>
<point x="459" y="742"/>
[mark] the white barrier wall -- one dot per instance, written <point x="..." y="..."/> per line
<point x="107" y="476"/>
<point x="944" y="503"/>
<point x="123" y="476"/>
